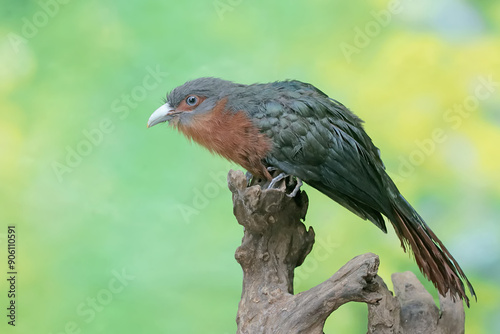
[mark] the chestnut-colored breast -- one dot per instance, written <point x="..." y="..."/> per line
<point x="231" y="135"/>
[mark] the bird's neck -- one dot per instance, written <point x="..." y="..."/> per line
<point x="231" y="135"/>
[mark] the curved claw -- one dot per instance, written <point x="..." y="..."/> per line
<point x="281" y="176"/>
<point x="250" y="177"/>
<point x="296" y="189"/>
<point x="278" y="178"/>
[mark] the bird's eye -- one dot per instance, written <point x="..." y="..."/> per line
<point x="191" y="100"/>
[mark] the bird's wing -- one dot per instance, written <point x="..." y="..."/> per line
<point x="321" y="142"/>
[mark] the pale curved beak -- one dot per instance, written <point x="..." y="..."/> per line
<point x="162" y="114"/>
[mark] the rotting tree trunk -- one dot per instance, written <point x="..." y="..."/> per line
<point x="276" y="241"/>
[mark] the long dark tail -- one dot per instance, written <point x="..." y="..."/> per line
<point x="432" y="257"/>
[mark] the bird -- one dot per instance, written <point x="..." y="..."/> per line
<point x="294" y="127"/>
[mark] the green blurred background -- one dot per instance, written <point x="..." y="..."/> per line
<point x="123" y="229"/>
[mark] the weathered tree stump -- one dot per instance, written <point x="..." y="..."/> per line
<point x="276" y="241"/>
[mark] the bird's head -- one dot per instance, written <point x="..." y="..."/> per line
<point x="192" y="99"/>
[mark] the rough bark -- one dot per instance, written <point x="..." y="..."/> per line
<point x="276" y="241"/>
<point x="413" y="311"/>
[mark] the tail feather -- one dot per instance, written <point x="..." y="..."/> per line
<point x="432" y="257"/>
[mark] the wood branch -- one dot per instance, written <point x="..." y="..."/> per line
<point x="413" y="311"/>
<point x="276" y="241"/>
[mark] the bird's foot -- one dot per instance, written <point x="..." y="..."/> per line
<point x="278" y="177"/>
<point x="252" y="180"/>
<point x="283" y="176"/>
<point x="296" y="190"/>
